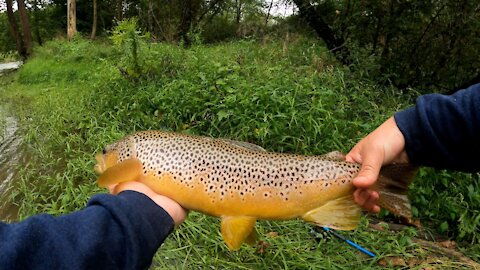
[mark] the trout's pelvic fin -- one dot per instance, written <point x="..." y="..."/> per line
<point x="392" y="186"/>
<point x="236" y="230"/>
<point x="127" y="170"/>
<point x="341" y="214"/>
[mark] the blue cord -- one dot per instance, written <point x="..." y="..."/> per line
<point x="350" y="242"/>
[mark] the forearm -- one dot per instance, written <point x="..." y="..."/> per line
<point x="444" y="131"/>
<point x="121" y="231"/>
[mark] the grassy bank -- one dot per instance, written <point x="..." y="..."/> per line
<point x="73" y="98"/>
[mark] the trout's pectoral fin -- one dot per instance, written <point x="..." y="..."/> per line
<point x="127" y="170"/>
<point x="236" y="230"/>
<point x="341" y="214"/>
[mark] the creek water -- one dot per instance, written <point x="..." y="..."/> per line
<point x="11" y="156"/>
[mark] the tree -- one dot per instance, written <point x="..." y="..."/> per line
<point x="119" y="10"/>
<point x="36" y="22"/>
<point x="71" y="18"/>
<point x="14" y="30"/>
<point x="27" y="34"/>
<point x="190" y="10"/>
<point x="94" y="23"/>
<point x="335" y="43"/>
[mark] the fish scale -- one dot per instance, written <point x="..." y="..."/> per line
<point x="240" y="182"/>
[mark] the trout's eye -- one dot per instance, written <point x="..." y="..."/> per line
<point x="104" y="151"/>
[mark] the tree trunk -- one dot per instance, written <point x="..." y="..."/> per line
<point x="334" y="44"/>
<point x="268" y="13"/>
<point x="36" y="24"/>
<point x="238" y="14"/>
<point x="189" y="12"/>
<point x="14" y="30"/>
<point x="72" y="18"/>
<point x="94" y="24"/>
<point x="119" y="11"/>
<point x="27" y="34"/>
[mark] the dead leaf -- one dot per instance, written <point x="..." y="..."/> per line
<point x="450" y="244"/>
<point x="392" y="261"/>
<point x="272" y="234"/>
<point x="262" y="246"/>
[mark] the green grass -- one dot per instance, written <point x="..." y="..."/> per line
<point x="73" y="98"/>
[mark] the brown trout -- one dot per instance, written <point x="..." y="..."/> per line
<point x="241" y="182"/>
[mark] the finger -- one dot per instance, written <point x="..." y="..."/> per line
<point x="354" y="157"/>
<point x="136" y="186"/>
<point x="371" y="202"/>
<point x="360" y="196"/>
<point x="368" y="174"/>
<point x="354" y="154"/>
<point x="111" y="188"/>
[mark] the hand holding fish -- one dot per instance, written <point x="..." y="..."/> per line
<point x="177" y="212"/>
<point x="385" y="145"/>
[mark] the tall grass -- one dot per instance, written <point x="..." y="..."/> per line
<point x="76" y="97"/>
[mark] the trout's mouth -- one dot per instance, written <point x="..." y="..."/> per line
<point x="100" y="166"/>
<point x="105" y="160"/>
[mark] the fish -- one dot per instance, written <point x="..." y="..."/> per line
<point x="241" y="182"/>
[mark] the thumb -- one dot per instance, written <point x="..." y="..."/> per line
<point x="369" y="171"/>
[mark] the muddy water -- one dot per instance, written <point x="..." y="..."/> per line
<point x="11" y="155"/>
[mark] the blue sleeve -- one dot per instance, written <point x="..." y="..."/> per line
<point x="444" y="131"/>
<point x="112" y="232"/>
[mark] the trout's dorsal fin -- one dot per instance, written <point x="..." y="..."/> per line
<point x="236" y="230"/>
<point x="127" y="170"/>
<point x="341" y="214"/>
<point x="334" y="156"/>
<point x="392" y="186"/>
<point x="244" y="145"/>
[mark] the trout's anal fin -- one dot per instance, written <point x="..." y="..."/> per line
<point x="341" y="214"/>
<point x="236" y="230"/>
<point x="127" y="170"/>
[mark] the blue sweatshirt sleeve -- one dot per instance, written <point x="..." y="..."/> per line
<point x="112" y="232"/>
<point x="444" y="131"/>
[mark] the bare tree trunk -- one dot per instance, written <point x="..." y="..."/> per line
<point x="94" y="24"/>
<point x="72" y="18"/>
<point x="239" y="6"/>
<point x="36" y="24"/>
<point x="335" y="44"/>
<point x="27" y="34"/>
<point x="268" y="13"/>
<point x="14" y="30"/>
<point x="119" y="11"/>
<point x="189" y="12"/>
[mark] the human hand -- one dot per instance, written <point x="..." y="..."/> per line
<point x="177" y="212"/>
<point x="384" y="145"/>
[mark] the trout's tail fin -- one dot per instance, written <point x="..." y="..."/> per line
<point x="392" y="186"/>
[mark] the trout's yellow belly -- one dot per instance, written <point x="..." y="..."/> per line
<point x="277" y="203"/>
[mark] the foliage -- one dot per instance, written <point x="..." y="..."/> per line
<point x="7" y="43"/>
<point x="129" y="41"/>
<point x="428" y="44"/>
<point x="450" y="201"/>
<point x="73" y="100"/>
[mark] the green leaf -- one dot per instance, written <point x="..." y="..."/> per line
<point x="444" y="226"/>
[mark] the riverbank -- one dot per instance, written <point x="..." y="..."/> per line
<point x="73" y="98"/>
<point x="11" y="156"/>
